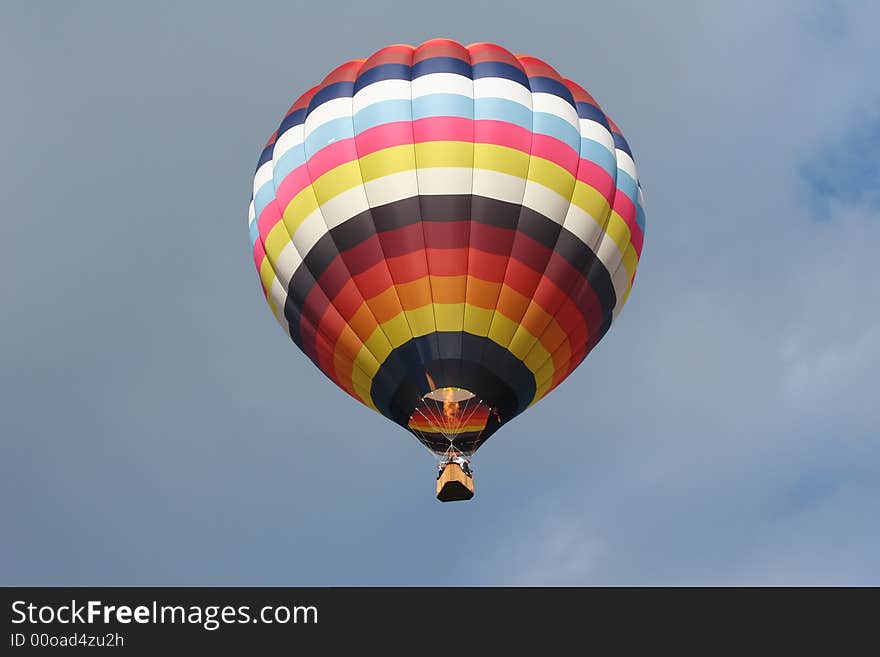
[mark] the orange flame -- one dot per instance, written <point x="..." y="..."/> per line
<point x="450" y="408"/>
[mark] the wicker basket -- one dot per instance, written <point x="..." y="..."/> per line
<point x="454" y="485"/>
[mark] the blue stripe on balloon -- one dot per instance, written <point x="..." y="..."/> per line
<point x="537" y="84"/>
<point x="451" y="107"/>
<point x="620" y="142"/>
<point x="442" y="105"/>
<point x="593" y="151"/>
<point x="265" y="156"/>
<point x="291" y="160"/>
<point x="382" y="72"/>
<point x="593" y="113"/>
<point x="545" y="85"/>
<point x="640" y="216"/>
<point x="386" y="111"/>
<point x="501" y="109"/>
<point x="254" y="231"/>
<point x="293" y="119"/>
<point x="330" y="92"/>
<point x="484" y="108"/>
<point x="627" y="185"/>
<point x="264" y="196"/>
<point x="441" y="65"/>
<point x="500" y="70"/>
<point x="553" y="126"/>
<point x="328" y="133"/>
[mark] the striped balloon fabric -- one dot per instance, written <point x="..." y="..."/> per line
<point x="446" y="217"/>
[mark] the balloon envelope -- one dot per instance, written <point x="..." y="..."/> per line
<point x="446" y="231"/>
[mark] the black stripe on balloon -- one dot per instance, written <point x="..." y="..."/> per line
<point x="454" y="207"/>
<point x="466" y="441"/>
<point x="472" y="362"/>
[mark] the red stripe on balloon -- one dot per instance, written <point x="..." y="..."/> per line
<point x="397" y="54"/>
<point x="440" y="48"/>
<point x="490" y="52"/>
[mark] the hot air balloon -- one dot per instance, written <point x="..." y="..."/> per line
<point x="446" y="231"/>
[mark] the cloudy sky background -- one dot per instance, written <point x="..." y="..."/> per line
<point x="158" y="428"/>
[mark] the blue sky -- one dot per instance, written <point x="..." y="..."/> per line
<point x="158" y="428"/>
<point x="846" y="172"/>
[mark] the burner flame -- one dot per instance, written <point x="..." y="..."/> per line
<point x="450" y="407"/>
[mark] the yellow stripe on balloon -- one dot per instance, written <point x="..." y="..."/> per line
<point x="494" y="157"/>
<point x="300" y="207"/>
<point x="449" y="316"/>
<point x="439" y="154"/>
<point x="630" y="261"/>
<point x="618" y="231"/>
<point x="477" y="320"/>
<point x="267" y="274"/>
<point x="276" y="240"/>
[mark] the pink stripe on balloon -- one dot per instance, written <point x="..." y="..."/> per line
<point x="627" y="211"/>
<point x="596" y="177"/>
<point x="259" y="256"/>
<point x="431" y="129"/>
<point x="293" y="183"/>
<point x="259" y="253"/>
<point x="269" y="216"/>
<point x="558" y="152"/>
<point x="387" y="135"/>
<point x="487" y="131"/>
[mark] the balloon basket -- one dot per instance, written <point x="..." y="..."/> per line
<point x="454" y="485"/>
